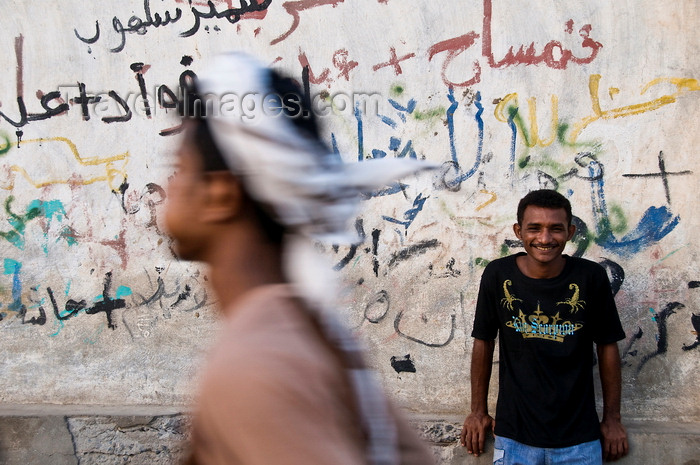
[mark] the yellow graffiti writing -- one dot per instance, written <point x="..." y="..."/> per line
<point x="682" y="85"/>
<point x="113" y="168"/>
<point x="531" y="137"/>
<point x="491" y="200"/>
<point x="507" y="107"/>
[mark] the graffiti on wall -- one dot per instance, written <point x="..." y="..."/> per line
<point x="492" y="140"/>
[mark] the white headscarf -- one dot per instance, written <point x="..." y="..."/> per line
<point x="314" y="195"/>
<point x="307" y="189"/>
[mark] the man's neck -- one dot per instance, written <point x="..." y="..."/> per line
<point x="536" y="270"/>
<point x="240" y="264"/>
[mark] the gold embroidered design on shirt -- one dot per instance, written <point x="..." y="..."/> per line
<point x="574" y="302"/>
<point x="509" y="298"/>
<point x="539" y="325"/>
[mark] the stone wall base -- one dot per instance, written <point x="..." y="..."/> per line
<point x="62" y="435"/>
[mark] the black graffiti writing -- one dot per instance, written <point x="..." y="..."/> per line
<point x="150" y="196"/>
<point x="663" y="174"/>
<point x="168" y="300"/>
<point x="453" y="327"/>
<point x="140" y="25"/>
<point x="353" y="248"/>
<point x="581" y="237"/>
<point x="122" y="103"/>
<point x="403" y="364"/>
<point x="186" y="295"/>
<point x="106" y="305"/>
<point x="139" y="69"/>
<point x="375" y="250"/>
<point x="378" y="307"/>
<point x="59" y="102"/>
<point x="661" y="319"/>
<point x="694" y="321"/>
<point x="39" y="319"/>
<point x="89" y="40"/>
<point x="616" y="272"/>
<point x="628" y="348"/>
<point x="450" y="272"/>
<point x="35" y="320"/>
<point x="413" y="250"/>
<point x="44" y="98"/>
<point x="404" y="254"/>
<point x="85" y="100"/>
<point x="135" y="24"/>
<point x="232" y="15"/>
<point x="71" y="308"/>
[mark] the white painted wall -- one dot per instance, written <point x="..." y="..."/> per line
<point x="605" y="96"/>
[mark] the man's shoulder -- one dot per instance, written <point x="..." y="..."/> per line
<point x="584" y="265"/>
<point x="498" y="267"/>
<point x="501" y="262"/>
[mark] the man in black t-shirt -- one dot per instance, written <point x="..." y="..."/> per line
<point x="548" y="310"/>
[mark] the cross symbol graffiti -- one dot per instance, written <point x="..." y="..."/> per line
<point x="663" y="174"/>
<point x="394" y="61"/>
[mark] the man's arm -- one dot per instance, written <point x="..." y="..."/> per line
<point x="614" y="435"/>
<point x="478" y="422"/>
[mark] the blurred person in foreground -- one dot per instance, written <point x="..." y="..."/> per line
<point x="285" y="383"/>
<point x="548" y="310"/>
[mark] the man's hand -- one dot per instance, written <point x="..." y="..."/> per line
<point x="614" y="439"/>
<point x="474" y="432"/>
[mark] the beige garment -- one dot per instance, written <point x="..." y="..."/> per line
<point x="274" y="393"/>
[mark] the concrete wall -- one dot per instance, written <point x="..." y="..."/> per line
<point x="597" y="99"/>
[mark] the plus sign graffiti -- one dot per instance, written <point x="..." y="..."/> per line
<point x="662" y="174"/>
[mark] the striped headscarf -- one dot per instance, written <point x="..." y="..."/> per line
<point x="308" y="190"/>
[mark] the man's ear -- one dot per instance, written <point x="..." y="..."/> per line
<point x="516" y="230"/>
<point x="224" y="197"/>
<point x="572" y="231"/>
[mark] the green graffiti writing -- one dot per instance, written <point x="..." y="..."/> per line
<point x="52" y="209"/>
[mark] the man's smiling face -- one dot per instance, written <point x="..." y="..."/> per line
<point x="544" y="233"/>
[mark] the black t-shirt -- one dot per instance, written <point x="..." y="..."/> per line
<point x="547" y="329"/>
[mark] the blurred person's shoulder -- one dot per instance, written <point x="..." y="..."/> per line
<point x="270" y="340"/>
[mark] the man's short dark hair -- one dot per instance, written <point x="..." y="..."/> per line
<point x="545" y="198"/>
